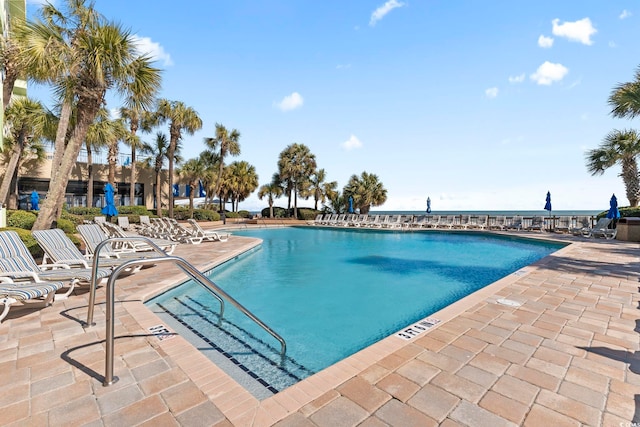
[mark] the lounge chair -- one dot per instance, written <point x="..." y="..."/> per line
<point x="462" y="223"/>
<point x="498" y="223"/>
<point x="13" y="293"/>
<point x="537" y="223"/>
<point x="59" y="249"/>
<point x="479" y="222"/>
<point x="99" y="219"/>
<point x="113" y="230"/>
<point x="432" y="221"/>
<point x="446" y="221"/>
<point x="93" y="235"/>
<point x="601" y="229"/>
<point x="392" y="221"/>
<point x="17" y="265"/>
<point x="123" y="222"/>
<point x="514" y="223"/>
<point x="582" y="223"/>
<point x="208" y="235"/>
<point x="316" y="221"/>
<point x="562" y="224"/>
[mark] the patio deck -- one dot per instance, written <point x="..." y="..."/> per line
<point x="569" y="355"/>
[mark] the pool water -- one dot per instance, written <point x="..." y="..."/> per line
<point x="332" y="292"/>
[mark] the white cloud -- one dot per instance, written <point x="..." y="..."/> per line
<point x="578" y="31"/>
<point x="625" y="14"/>
<point x="290" y="102"/>
<point x="343" y="66"/>
<point x="380" y="12"/>
<point x="491" y="93"/>
<point x="548" y="73"/>
<point x="517" y="79"/>
<point x="545" y="42"/>
<point x="148" y="47"/>
<point x="352" y="143"/>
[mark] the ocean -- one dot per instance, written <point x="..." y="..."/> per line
<point x="493" y="213"/>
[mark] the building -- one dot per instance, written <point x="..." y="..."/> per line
<point x="9" y="9"/>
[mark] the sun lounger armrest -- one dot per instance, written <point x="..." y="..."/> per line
<point x="55" y="266"/>
<point x="70" y="262"/>
<point x="20" y="275"/>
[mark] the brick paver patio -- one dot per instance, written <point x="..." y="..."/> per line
<point x="568" y="355"/>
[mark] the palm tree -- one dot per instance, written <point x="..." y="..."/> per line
<point x="181" y="119"/>
<point x="192" y="170"/>
<point x="625" y="98"/>
<point x="28" y="122"/>
<point x="158" y="152"/>
<point x="272" y="191"/>
<point x="243" y="180"/>
<point x="621" y="147"/>
<point x="100" y="132"/>
<point x="319" y="188"/>
<point x="84" y="56"/>
<point x="227" y="143"/>
<point x="210" y="160"/>
<point x="296" y="164"/>
<point x="366" y="190"/>
<point x="137" y="118"/>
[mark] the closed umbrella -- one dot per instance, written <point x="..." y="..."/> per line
<point x="109" y="204"/>
<point x="613" y="213"/>
<point x="201" y="192"/>
<point x="428" y="205"/>
<point x="35" y="200"/>
<point x="547" y="206"/>
<point x="350" y="204"/>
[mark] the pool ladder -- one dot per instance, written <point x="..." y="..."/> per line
<point x="188" y="268"/>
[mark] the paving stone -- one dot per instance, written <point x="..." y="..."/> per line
<point x="340" y="412"/>
<point x="474" y="415"/>
<point x="434" y="402"/>
<point x="569" y="407"/>
<point x="542" y="416"/>
<point x="418" y="371"/>
<point x="504" y="407"/>
<point x="398" y="386"/>
<point x="396" y="413"/>
<point x="490" y="363"/>
<point x="295" y="420"/>
<point x="459" y="386"/>
<point x="204" y="414"/>
<point x="364" y="394"/>
<point x="477" y="375"/>
<point x="516" y="389"/>
<point x="76" y="412"/>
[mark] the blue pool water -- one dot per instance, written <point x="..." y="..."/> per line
<point x="332" y="292"/>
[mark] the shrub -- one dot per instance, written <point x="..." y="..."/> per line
<point x="244" y="214"/>
<point x="29" y="241"/>
<point x="232" y="215"/>
<point x="21" y="219"/>
<point x="133" y="210"/>
<point x="84" y="211"/>
<point x="307" y="214"/>
<point x="75" y="219"/>
<point x="67" y="226"/>
<point x="206" y="215"/>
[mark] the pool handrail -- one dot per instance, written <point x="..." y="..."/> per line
<point x="96" y="262"/>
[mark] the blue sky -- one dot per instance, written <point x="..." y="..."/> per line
<point x="477" y="105"/>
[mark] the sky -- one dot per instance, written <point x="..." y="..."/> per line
<point x="476" y="105"/>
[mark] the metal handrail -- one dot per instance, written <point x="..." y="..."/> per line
<point x="185" y="266"/>
<point x="94" y="273"/>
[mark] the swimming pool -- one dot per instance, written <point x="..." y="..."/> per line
<point x="332" y="292"/>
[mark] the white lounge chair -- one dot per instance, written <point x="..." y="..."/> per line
<point x="207" y="235"/>
<point x="582" y="223"/>
<point x="601" y="229"/>
<point x="17" y="265"/>
<point x="13" y="293"/>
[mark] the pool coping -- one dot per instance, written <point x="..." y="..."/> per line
<point x="240" y="406"/>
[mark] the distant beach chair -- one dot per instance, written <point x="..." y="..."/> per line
<point x="498" y="222"/>
<point x="601" y="229"/>
<point x="562" y="224"/>
<point x="582" y="223"/>
<point x="537" y="223"/>
<point x="514" y="223"/>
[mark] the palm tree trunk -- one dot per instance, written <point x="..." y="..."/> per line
<point x="87" y="110"/>
<point x="89" y="178"/>
<point x="158" y="195"/>
<point x="171" y="153"/>
<point x="134" y="177"/>
<point x="16" y="153"/>
<point x="192" y="189"/>
<point x="61" y="136"/>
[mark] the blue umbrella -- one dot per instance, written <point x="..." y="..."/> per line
<point x="176" y="190"/>
<point x="547" y="206"/>
<point x="613" y="208"/>
<point x="428" y="205"/>
<point x="35" y="199"/>
<point x="109" y="204"/>
<point x="202" y="193"/>
<point x="350" y="204"/>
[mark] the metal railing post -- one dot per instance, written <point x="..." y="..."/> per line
<point x="197" y="276"/>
